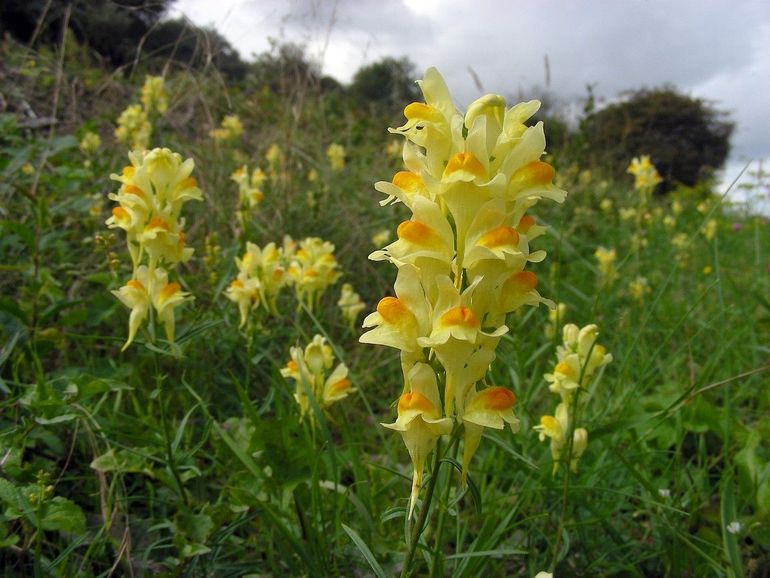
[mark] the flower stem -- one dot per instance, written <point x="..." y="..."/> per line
<point x="418" y="528"/>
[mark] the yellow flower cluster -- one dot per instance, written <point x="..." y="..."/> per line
<point x="606" y="261"/>
<point x="336" y="154"/>
<point x="249" y="186"/>
<point x="263" y="272"/>
<point x="578" y="360"/>
<point x="308" y="368"/>
<point x="313" y="268"/>
<point x="646" y="176"/>
<point x="639" y="288"/>
<point x="135" y="122"/>
<point x="134" y="128"/>
<point x="230" y="129"/>
<point x="90" y="143"/>
<point x="261" y="275"/>
<point x="153" y="191"/>
<point x="153" y="95"/>
<point x="469" y="182"/>
<point x="350" y="304"/>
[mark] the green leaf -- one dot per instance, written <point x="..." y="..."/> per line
<point x="364" y="549"/>
<point x="729" y="515"/>
<point x="63" y="515"/>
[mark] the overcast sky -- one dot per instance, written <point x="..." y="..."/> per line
<point x="717" y="50"/>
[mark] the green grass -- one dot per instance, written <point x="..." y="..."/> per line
<point x="193" y="460"/>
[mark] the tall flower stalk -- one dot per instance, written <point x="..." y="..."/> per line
<point x="461" y="262"/>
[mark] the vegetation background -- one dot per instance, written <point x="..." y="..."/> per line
<point x="193" y="460"/>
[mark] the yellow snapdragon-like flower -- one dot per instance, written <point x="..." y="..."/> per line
<point x="639" y="288"/>
<point x="153" y="191"/>
<point x="578" y="359"/>
<point x="262" y="273"/>
<point x="153" y="95"/>
<point x="313" y="269"/>
<point x="350" y="304"/>
<point x="336" y="155"/>
<point x="646" y="176"/>
<point x="469" y="181"/>
<point x="134" y="128"/>
<point x="606" y="260"/>
<point x="249" y="186"/>
<point x="709" y="230"/>
<point x="308" y="369"/>
<point x="230" y="129"/>
<point x="90" y="143"/>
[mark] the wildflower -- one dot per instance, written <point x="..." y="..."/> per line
<point x="677" y="208"/>
<point x="646" y="176"/>
<point x="312" y="176"/>
<point x="639" y="288"/>
<point x="393" y="149"/>
<point x="737" y="227"/>
<point x="350" y="303"/>
<point x="261" y="276"/>
<point x="27" y="169"/>
<point x="249" y="187"/>
<point x="669" y="221"/>
<point x="460" y="260"/>
<point x="578" y="360"/>
<point x="153" y="95"/>
<point x="313" y="269"/>
<point x="664" y="493"/>
<point x="90" y="143"/>
<point x="230" y="129"/>
<point x="734" y="527"/>
<point x="308" y="368"/>
<point x="134" y="128"/>
<point x="709" y="230"/>
<point x="555" y="318"/>
<point x="381" y="237"/>
<point x="606" y="260"/>
<point x="708" y="270"/>
<point x="336" y="154"/>
<point x="154" y="188"/>
<point x="606" y="205"/>
<point x="627" y="214"/>
<point x="274" y="157"/>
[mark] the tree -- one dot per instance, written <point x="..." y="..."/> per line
<point x="389" y="82"/>
<point x="686" y="138"/>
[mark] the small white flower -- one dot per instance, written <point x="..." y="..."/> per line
<point x="734" y="527"/>
<point x="544" y="575"/>
<point x="664" y="493"/>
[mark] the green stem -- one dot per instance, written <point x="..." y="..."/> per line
<point x="421" y="520"/>
<point x="167" y="437"/>
<point x="439" y="537"/>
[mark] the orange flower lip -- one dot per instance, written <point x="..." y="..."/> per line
<point x="341" y="385"/>
<point x="565" y="369"/>
<point x="393" y="310"/>
<point x="415" y="232"/>
<point x="157" y="223"/>
<point x="526" y="223"/>
<point x="134" y="190"/>
<point x="500" y="237"/>
<point x="407" y="181"/>
<point x="135" y="284"/>
<point x="535" y="173"/>
<point x="526" y="280"/>
<point x="496" y="398"/>
<point x="463" y="316"/>
<point x="169" y="290"/>
<point x="236" y="284"/>
<point x="414" y="400"/>
<point x="466" y="163"/>
<point x="119" y="213"/>
<point x="188" y="183"/>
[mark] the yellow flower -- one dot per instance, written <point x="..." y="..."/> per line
<point x="709" y="230"/>
<point x="606" y="260"/>
<point x="134" y="127"/>
<point x="639" y="288"/>
<point x="419" y="422"/>
<point x="313" y="269"/>
<point x="134" y="295"/>
<point x="627" y="214"/>
<point x="381" y="237"/>
<point x="249" y="187"/>
<point x="153" y="95"/>
<point x="461" y="257"/>
<point x="336" y="154"/>
<point x="90" y="143"/>
<point x="645" y="173"/>
<point x="606" y="205"/>
<point x="350" y="303"/>
<point x="230" y="129"/>
<point x="708" y="270"/>
<point x="308" y="369"/>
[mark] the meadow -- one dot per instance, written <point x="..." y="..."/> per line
<point x="214" y="412"/>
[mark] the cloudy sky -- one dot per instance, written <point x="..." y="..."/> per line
<point x="712" y="49"/>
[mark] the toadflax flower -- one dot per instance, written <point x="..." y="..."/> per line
<point x="578" y="359"/>
<point x="308" y="369"/>
<point x="153" y="191"/>
<point x="469" y="181"/>
<point x="350" y="304"/>
<point x="336" y="154"/>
